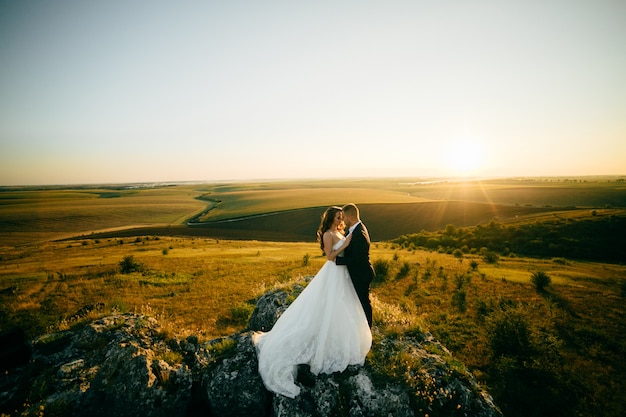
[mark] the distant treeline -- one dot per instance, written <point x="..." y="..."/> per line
<point x="601" y="238"/>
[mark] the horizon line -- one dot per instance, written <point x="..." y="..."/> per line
<point x="295" y="179"/>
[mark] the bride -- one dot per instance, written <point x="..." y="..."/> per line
<point x="325" y="327"/>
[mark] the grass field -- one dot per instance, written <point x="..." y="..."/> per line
<point x="207" y="288"/>
<point x="563" y="353"/>
<point x="390" y="207"/>
<point x="30" y="216"/>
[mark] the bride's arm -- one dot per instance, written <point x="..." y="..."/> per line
<point x="328" y="246"/>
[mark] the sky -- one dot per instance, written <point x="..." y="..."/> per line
<point x="157" y="91"/>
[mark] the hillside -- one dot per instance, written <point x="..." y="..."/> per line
<point x="456" y="260"/>
<point x="289" y="210"/>
<point x="570" y="336"/>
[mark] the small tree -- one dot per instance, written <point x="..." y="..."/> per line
<point x="128" y="265"/>
<point x="541" y="280"/>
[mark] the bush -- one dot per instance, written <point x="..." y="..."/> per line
<point x="459" y="300"/>
<point x="490" y="257"/>
<point x="241" y="313"/>
<point x="509" y="335"/>
<point x="128" y="265"/>
<point x="560" y="261"/>
<point x="381" y="270"/>
<point x="305" y="259"/>
<point x="457" y="253"/>
<point x="541" y="280"/>
<point x="404" y="270"/>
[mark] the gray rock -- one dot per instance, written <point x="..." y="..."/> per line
<point x="112" y="366"/>
<point x="120" y="365"/>
<point x="269" y="308"/>
<point x="234" y="387"/>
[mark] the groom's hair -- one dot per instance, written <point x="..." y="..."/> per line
<point x="351" y="210"/>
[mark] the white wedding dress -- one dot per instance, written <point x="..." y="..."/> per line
<point x="325" y="327"/>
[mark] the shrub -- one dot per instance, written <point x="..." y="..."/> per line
<point x="241" y="312"/>
<point x="381" y="270"/>
<point x="404" y="270"/>
<point x="474" y="265"/>
<point x="459" y="300"/>
<point x="483" y="309"/>
<point x="305" y="259"/>
<point x="459" y="280"/>
<point x="457" y="253"/>
<point x="509" y="335"/>
<point x="541" y="280"/>
<point x="128" y="265"/>
<point x="490" y="257"/>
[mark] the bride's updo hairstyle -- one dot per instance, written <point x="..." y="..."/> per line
<point x="327" y="220"/>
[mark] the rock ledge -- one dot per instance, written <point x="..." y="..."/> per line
<point x="122" y="365"/>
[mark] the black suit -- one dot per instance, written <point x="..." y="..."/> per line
<point x="357" y="259"/>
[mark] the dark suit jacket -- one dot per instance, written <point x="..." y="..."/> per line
<point x="357" y="259"/>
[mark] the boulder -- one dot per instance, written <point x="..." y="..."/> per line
<point x="233" y="385"/>
<point x="122" y="365"/>
<point x="112" y="366"/>
<point x="270" y="306"/>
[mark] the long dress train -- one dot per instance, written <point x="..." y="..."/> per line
<point x="325" y="327"/>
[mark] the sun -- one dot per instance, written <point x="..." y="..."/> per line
<point x="464" y="156"/>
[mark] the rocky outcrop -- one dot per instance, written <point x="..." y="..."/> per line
<point x="124" y="365"/>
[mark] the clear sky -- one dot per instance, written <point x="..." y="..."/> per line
<point x="133" y="91"/>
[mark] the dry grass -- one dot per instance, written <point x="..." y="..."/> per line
<point x="38" y="216"/>
<point x="206" y="287"/>
<point x="193" y="286"/>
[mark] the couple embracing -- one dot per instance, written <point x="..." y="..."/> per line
<point x="328" y="325"/>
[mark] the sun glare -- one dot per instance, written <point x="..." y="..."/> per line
<point x="464" y="157"/>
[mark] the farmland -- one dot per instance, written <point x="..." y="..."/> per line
<point x="63" y="251"/>
<point x="289" y="211"/>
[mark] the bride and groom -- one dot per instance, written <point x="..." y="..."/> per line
<point x="328" y="325"/>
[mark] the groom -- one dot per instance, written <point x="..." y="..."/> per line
<point x="357" y="257"/>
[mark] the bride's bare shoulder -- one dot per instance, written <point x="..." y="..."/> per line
<point x="332" y="235"/>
